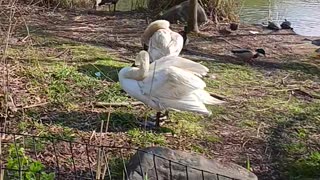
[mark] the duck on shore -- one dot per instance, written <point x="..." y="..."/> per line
<point x="286" y="25"/>
<point x="248" y="55"/>
<point x="273" y="26"/>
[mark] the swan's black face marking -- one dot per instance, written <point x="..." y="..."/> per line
<point x="134" y="65"/>
<point x="145" y="47"/>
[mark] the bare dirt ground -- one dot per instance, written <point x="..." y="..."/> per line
<point x="271" y="119"/>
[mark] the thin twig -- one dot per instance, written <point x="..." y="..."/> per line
<point x="61" y="53"/>
<point x="231" y="43"/>
<point x="108" y="120"/>
<point x="106" y="165"/>
<point x="92" y="135"/>
<point x="35" y="105"/>
<point x="99" y="155"/>
<point x="258" y="130"/>
<point x="283" y="90"/>
<point x="27" y="28"/>
<point x="11" y="104"/>
<point x="283" y="79"/>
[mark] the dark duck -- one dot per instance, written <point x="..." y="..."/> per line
<point x="286" y="25"/>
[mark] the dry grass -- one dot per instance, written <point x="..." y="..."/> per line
<point x="217" y="10"/>
<point x="62" y="3"/>
<point x="222" y="10"/>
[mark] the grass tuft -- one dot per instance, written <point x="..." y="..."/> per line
<point x="144" y="139"/>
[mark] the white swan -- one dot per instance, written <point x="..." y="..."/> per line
<point x="161" y="40"/>
<point x="167" y="87"/>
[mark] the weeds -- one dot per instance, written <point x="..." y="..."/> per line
<point x="32" y="170"/>
<point x="306" y="167"/>
<point x="144" y="139"/>
<point x="198" y="149"/>
<point x="112" y="94"/>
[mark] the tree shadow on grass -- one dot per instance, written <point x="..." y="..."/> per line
<point x="109" y="73"/>
<point x="87" y="121"/>
<point x="295" y="154"/>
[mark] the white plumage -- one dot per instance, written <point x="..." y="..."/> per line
<point x="165" y="86"/>
<point x="180" y="62"/>
<point x="161" y="40"/>
<point x="165" y="42"/>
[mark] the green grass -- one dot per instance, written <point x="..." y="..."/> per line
<point x="256" y="102"/>
<point x="70" y="79"/>
<point x="257" y="98"/>
<point x="145" y="139"/>
<point x="113" y="94"/>
<point x="198" y="148"/>
<point x="306" y="167"/>
<point x="187" y="124"/>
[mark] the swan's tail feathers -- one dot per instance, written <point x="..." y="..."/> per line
<point x="152" y="28"/>
<point x="206" y="98"/>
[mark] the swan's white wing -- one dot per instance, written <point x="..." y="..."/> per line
<point x="164" y="42"/>
<point x="132" y="87"/>
<point x="175" y="88"/>
<point x="180" y="62"/>
<point x="171" y="83"/>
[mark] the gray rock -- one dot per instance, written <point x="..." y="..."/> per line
<point x="180" y="13"/>
<point x="158" y="168"/>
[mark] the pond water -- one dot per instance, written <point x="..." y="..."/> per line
<point x="303" y="14"/>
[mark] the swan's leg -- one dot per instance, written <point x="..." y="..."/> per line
<point x="166" y="113"/>
<point x="158" y="119"/>
<point x="163" y="116"/>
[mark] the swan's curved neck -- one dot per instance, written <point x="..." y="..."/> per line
<point x="139" y="73"/>
<point x="144" y="67"/>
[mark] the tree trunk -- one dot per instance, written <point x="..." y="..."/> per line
<point x="193" y="16"/>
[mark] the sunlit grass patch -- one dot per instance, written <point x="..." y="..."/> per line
<point x="145" y="138"/>
<point x="112" y="93"/>
<point x="231" y="78"/>
<point x="187" y="124"/>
